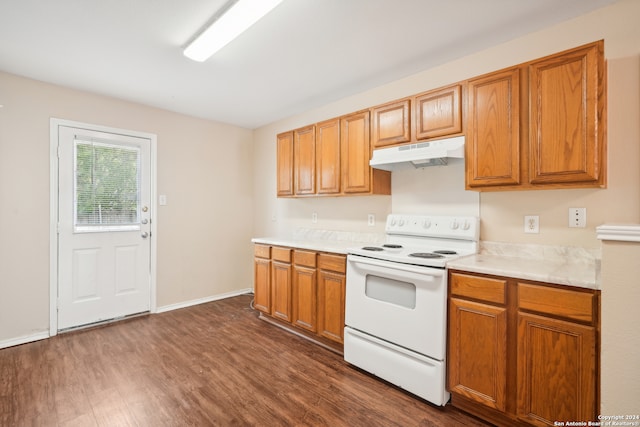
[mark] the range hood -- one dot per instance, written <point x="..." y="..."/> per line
<point x="420" y="155"/>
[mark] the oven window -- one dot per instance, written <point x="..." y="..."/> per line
<point x="392" y="291"/>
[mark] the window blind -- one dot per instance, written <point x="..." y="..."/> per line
<point x="107" y="185"/>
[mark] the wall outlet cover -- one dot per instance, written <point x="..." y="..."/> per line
<point x="532" y="224"/>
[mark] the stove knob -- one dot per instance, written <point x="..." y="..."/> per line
<point x="426" y="223"/>
<point x="454" y="224"/>
<point x="466" y="224"/>
<point x="393" y="221"/>
<point x="401" y="223"/>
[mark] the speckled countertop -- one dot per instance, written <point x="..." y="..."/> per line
<point x="559" y="265"/>
<point x="551" y="264"/>
<point x="323" y="240"/>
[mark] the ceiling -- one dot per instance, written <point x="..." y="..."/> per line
<point x="302" y="55"/>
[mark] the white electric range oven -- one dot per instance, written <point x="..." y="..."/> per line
<point x="396" y="301"/>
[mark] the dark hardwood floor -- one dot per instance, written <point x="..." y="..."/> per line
<point x="214" y="364"/>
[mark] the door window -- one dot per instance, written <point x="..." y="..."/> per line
<point x="106" y="187"/>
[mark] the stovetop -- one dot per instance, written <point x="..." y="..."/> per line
<point x="425" y="240"/>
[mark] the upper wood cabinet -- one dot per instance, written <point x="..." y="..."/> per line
<point x="433" y="114"/>
<point x="304" y="160"/>
<point x="354" y="140"/>
<point x="391" y="123"/>
<point x="330" y="158"/>
<point x="284" y="167"/>
<point x="567" y="103"/>
<point x="328" y="168"/>
<point x="539" y="125"/>
<point x="438" y="112"/>
<point x="536" y="125"/>
<point x="357" y="176"/>
<point x="493" y="130"/>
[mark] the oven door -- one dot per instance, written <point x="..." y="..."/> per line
<point x="399" y="303"/>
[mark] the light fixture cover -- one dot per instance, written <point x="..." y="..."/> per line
<point x="236" y="20"/>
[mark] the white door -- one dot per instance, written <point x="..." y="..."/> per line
<point x="104" y="216"/>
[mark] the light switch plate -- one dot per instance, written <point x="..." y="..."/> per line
<point x="162" y="199"/>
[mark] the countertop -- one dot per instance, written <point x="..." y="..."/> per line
<point x="559" y="265"/>
<point x="578" y="274"/>
<point x="323" y="240"/>
<point x="337" y="247"/>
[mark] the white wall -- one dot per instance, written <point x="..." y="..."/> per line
<point x="204" y="231"/>
<point x="502" y="212"/>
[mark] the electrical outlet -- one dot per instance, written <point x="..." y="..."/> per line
<point x="577" y="217"/>
<point x="532" y="224"/>
<point x="314" y="217"/>
<point x="371" y="220"/>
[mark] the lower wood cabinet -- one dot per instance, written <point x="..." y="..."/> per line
<point x="305" y="288"/>
<point x="281" y="283"/>
<point x="523" y="353"/>
<point x="556" y="368"/>
<point x="478" y="358"/>
<point x="302" y="289"/>
<point x="262" y="278"/>
<point x="331" y="296"/>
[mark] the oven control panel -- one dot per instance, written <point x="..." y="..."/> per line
<point x="445" y="227"/>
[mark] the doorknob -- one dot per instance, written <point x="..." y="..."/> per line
<point x="144" y="234"/>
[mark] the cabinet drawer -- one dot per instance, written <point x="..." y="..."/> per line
<point x="337" y="263"/>
<point x="281" y="254"/>
<point x="305" y="258"/>
<point x="558" y="302"/>
<point x="481" y="288"/>
<point x="262" y="251"/>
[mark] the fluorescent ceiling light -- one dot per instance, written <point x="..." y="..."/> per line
<point x="242" y="15"/>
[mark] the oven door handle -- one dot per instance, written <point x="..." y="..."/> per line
<point x="431" y="271"/>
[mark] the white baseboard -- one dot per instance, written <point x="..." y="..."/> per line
<point x="24" y="339"/>
<point x="202" y="300"/>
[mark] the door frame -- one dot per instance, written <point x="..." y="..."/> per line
<point x="53" y="210"/>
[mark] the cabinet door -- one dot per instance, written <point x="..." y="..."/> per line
<point x="281" y="290"/>
<point x="262" y="285"/>
<point x="285" y="164"/>
<point x="304" y="160"/>
<point x="556" y="370"/>
<point x="391" y="123"/>
<point x="328" y="157"/>
<point x="438" y="113"/>
<point x="478" y="352"/>
<point x="493" y="132"/>
<point x="331" y="294"/>
<point x="304" y="297"/>
<point x="356" y="153"/>
<point x="566" y="136"/>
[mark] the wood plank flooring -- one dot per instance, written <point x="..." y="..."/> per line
<point x="214" y="364"/>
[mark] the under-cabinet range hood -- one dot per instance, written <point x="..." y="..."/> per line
<point x="420" y="155"/>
